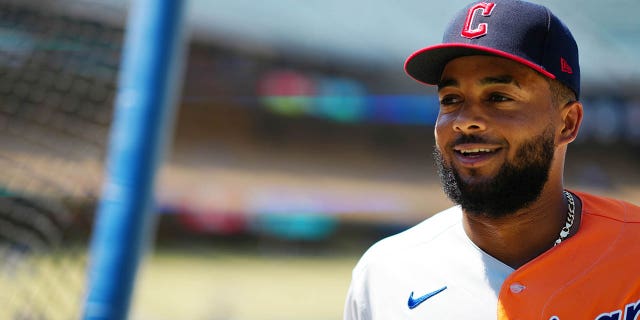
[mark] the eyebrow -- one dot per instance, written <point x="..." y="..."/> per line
<point x="503" y="79"/>
<point x="448" y="82"/>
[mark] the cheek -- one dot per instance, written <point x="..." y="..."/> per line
<point x="442" y="130"/>
<point x="438" y="134"/>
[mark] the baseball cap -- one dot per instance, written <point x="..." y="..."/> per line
<point x="521" y="31"/>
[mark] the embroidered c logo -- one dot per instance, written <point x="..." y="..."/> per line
<point x="481" y="30"/>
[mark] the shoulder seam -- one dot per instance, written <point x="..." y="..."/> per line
<point x="624" y="206"/>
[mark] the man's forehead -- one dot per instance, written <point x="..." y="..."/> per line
<point x="486" y="70"/>
<point x="488" y="80"/>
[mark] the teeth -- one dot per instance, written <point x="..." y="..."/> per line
<point x="475" y="150"/>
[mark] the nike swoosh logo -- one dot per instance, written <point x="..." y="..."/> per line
<point x="416" y="302"/>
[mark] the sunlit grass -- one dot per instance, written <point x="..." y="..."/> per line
<point x="39" y="284"/>
<point x="209" y="284"/>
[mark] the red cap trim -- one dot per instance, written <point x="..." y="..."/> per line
<point x="492" y="51"/>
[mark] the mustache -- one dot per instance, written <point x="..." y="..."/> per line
<point x="472" y="138"/>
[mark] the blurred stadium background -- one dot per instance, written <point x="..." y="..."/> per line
<point x="298" y="142"/>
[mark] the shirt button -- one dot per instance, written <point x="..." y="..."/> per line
<point x="517" y="287"/>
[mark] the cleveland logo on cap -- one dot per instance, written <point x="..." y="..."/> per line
<point x="485" y="9"/>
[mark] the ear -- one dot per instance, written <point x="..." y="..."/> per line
<point x="571" y="114"/>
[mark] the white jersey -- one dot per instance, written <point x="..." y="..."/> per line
<point x="431" y="271"/>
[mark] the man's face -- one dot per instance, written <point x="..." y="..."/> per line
<point x="495" y="134"/>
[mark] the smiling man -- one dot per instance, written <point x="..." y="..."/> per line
<point x="517" y="245"/>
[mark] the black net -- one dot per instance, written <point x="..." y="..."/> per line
<point x="57" y="83"/>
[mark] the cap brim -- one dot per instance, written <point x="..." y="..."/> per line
<point x="426" y="65"/>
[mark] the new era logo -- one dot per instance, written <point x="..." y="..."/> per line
<point x="565" y="67"/>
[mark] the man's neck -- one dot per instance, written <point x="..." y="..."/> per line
<point x="525" y="234"/>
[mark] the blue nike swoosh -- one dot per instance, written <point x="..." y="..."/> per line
<point x="416" y="302"/>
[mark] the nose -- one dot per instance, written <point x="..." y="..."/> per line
<point x="469" y="119"/>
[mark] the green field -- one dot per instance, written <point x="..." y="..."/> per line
<point x="191" y="281"/>
<point x="41" y="284"/>
<point x="232" y="284"/>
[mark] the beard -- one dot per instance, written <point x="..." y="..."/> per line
<point x="517" y="184"/>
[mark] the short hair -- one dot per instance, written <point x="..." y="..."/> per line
<point x="560" y="93"/>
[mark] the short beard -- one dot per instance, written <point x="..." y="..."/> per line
<point x="517" y="184"/>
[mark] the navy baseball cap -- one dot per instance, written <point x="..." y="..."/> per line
<point x="521" y="31"/>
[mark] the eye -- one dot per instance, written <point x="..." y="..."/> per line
<point x="449" y="100"/>
<point x="497" y="97"/>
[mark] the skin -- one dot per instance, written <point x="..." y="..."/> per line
<point x="506" y="103"/>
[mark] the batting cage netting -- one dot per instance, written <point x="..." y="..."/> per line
<point x="57" y="82"/>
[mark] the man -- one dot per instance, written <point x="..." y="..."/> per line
<point x="517" y="245"/>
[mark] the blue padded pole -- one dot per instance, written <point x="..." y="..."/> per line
<point x="148" y="84"/>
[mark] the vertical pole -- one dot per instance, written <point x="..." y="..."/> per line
<point x="149" y="80"/>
